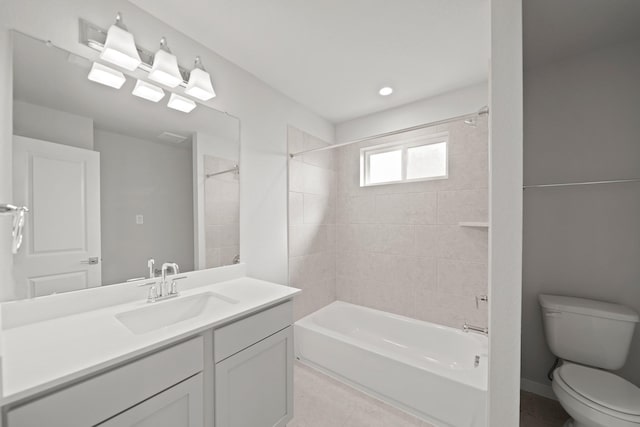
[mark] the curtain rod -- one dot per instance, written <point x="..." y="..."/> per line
<point x="568" y="184"/>
<point x="481" y="112"/>
<point x="236" y="168"/>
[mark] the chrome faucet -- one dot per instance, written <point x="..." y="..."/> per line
<point x="483" y="298"/>
<point x="165" y="289"/>
<point x="467" y="327"/>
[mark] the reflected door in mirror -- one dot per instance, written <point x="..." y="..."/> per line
<point x="61" y="185"/>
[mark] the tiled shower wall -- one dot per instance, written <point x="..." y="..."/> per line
<point x="400" y="247"/>
<point x="312" y="218"/>
<point x="397" y="247"/>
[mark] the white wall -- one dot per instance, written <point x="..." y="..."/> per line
<point x="35" y="121"/>
<point x="264" y="114"/>
<point x="581" y="124"/>
<point x="505" y="212"/>
<point x="451" y="104"/>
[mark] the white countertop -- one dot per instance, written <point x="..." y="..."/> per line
<point x="39" y="356"/>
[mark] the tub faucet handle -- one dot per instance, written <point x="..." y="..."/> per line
<point x="483" y="298"/>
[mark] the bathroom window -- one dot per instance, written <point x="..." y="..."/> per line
<point x="415" y="159"/>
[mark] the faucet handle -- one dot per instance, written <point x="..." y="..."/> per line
<point x="150" y="265"/>
<point x="174" y="285"/>
<point x="153" y="294"/>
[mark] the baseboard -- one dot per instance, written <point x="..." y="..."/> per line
<point x="540" y="389"/>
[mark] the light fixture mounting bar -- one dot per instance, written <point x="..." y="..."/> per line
<point x="94" y="37"/>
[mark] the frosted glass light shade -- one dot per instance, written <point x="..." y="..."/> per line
<point x="120" y="49"/>
<point x="165" y="69"/>
<point x="199" y="85"/>
<point x="181" y="103"/>
<point x="148" y="91"/>
<point x="107" y="76"/>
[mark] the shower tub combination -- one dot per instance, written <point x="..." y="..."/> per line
<point x="434" y="372"/>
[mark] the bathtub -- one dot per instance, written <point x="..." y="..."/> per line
<point x="422" y="368"/>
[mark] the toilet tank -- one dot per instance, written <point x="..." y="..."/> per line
<point x="590" y="332"/>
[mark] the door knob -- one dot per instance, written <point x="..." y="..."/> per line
<point x="91" y="260"/>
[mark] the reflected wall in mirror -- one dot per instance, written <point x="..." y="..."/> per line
<point x="113" y="180"/>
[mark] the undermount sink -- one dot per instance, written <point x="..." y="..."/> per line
<point x="166" y="313"/>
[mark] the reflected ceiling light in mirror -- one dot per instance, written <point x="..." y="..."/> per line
<point x="181" y="103"/>
<point x="165" y="67"/>
<point x="148" y="91"/>
<point x="199" y="85"/>
<point x="107" y="76"/>
<point x="386" y="91"/>
<point x="120" y="47"/>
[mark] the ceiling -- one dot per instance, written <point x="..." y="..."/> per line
<point x="36" y="66"/>
<point x="556" y="29"/>
<point x="334" y="55"/>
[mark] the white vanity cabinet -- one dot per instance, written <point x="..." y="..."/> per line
<point x="146" y="388"/>
<point x="254" y="376"/>
<point x="236" y="375"/>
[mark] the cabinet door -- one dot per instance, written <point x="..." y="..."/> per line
<point x="254" y="387"/>
<point x="179" y="406"/>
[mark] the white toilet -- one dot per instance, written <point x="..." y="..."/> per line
<point x="591" y="337"/>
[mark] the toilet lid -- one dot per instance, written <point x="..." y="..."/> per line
<point x="602" y="387"/>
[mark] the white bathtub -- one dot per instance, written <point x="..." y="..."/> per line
<point x="423" y="368"/>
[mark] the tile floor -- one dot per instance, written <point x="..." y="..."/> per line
<point x="321" y="401"/>
<point x="538" y="411"/>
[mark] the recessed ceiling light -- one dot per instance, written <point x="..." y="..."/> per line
<point x="386" y="91"/>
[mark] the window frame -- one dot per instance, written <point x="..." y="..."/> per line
<point x="403" y="145"/>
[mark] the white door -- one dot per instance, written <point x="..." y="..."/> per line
<point x="61" y="186"/>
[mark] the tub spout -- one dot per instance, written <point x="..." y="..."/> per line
<point x="467" y="327"/>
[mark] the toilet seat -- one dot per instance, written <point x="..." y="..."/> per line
<point x="600" y="390"/>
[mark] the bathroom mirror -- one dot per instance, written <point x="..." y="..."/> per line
<point x="113" y="180"/>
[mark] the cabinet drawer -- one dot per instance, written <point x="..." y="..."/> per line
<point x="103" y="396"/>
<point x="239" y="335"/>
<point x="179" y="406"/>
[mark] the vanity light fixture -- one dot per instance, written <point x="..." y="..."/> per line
<point x="181" y="103"/>
<point x="165" y="67"/>
<point x="107" y="76"/>
<point x="199" y="85"/>
<point x="120" y="47"/>
<point x="148" y="91"/>
<point x="386" y="91"/>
